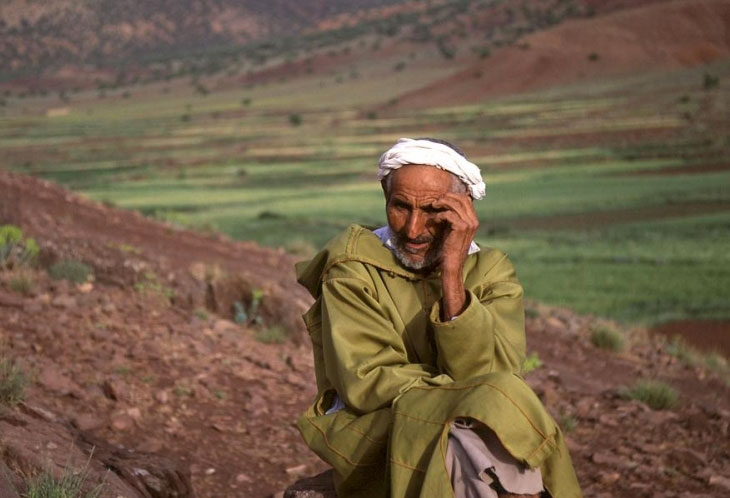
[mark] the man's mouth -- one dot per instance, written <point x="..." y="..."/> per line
<point x="417" y="245"/>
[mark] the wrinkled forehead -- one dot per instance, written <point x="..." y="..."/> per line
<point x="419" y="177"/>
<point x="415" y="178"/>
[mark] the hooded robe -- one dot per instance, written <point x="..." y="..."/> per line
<point x="404" y="375"/>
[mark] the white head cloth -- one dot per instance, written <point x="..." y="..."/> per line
<point x="409" y="151"/>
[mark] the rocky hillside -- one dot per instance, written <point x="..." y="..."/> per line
<point x="180" y="359"/>
<point x="68" y="45"/>
<point x="36" y="34"/>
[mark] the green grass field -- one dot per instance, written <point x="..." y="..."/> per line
<point x="585" y="231"/>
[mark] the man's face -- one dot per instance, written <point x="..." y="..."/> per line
<point x="411" y="216"/>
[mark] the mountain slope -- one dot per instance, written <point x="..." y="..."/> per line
<point x="668" y="35"/>
<point x="38" y="34"/>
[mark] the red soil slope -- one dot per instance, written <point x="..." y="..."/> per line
<point x="122" y="366"/>
<point x="662" y="36"/>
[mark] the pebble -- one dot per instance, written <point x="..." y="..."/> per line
<point x="297" y="470"/>
<point x="121" y="422"/>
<point x="87" y="422"/>
<point x="64" y="301"/>
<point x="720" y="481"/>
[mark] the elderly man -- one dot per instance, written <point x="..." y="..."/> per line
<point x="418" y="338"/>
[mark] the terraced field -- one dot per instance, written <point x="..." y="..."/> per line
<point x="613" y="198"/>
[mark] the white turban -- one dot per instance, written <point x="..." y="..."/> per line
<point x="409" y="151"/>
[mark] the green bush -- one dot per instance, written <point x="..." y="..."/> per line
<point x="13" y="381"/>
<point x="532" y="362"/>
<point x="607" y="338"/>
<point x="250" y="314"/>
<point x="655" y="394"/>
<point x="295" y="119"/>
<point x="71" y="270"/>
<point x="16" y="249"/>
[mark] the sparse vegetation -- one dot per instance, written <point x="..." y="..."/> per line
<point x="150" y="285"/>
<point x="276" y="334"/>
<point x="250" y="314"/>
<point x="532" y="362"/>
<point x="300" y="247"/>
<point x="16" y="250"/>
<point x="201" y="314"/>
<point x="710" y="81"/>
<point x="567" y="423"/>
<point x="71" y="270"/>
<point x="295" y="119"/>
<point x="688" y="355"/>
<point x="593" y="57"/>
<point x="22" y="282"/>
<point x="655" y="394"/>
<point x="531" y="313"/>
<point x="182" y="390"/>
<point x="608" y="338"/>
<point x="13" y="382"/>
<point x="70" y="485"/>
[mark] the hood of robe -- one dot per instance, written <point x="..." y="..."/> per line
<point x="357" y="243"/>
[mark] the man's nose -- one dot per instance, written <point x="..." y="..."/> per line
<point x="414" y="225"/>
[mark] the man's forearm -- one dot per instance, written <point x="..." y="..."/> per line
<point x="453" y="300"/>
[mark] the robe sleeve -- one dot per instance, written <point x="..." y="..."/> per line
<point x="365" y="357"/>
<point x="489" y="335"/>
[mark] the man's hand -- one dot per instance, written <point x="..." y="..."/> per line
<point x="460" y="225"/>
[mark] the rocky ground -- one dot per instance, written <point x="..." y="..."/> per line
<point x="146" y="364"/>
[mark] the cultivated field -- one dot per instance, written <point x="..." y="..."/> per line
<point x="613" y="198"/>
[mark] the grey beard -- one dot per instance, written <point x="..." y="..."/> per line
<point x="429" y="261"/>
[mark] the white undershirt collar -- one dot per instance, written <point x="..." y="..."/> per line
<point x="385" y="235"/>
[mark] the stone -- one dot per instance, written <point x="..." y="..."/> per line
<point x="162" y="396"/>
<point x="298" y="470"/>
<point x="121" y="422"/>
<point x="52" y="379"/>
<point x="33" y="307"/>
<point x="150" y="445"/>
<point x="114" y="389"/>
<point x="720" y="482"/>
<point x="319" y="486"/>
<point x="64" y="301"/>
<point x="609" y="477"/>
<point x="554" y="324"/>
<point x="222" y="325"/>
<point x="85" y="288"/>
<point x="87" y="422"/>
